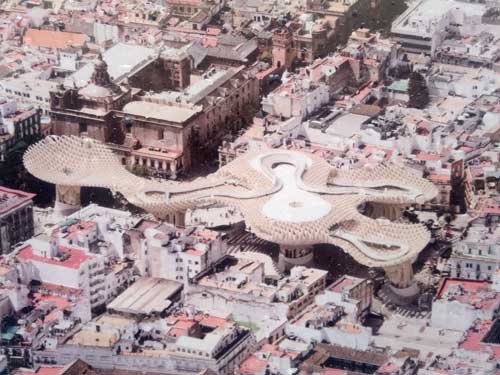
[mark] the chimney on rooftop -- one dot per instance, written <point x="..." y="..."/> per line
<point x="54" y="246"/>
<point x="190" y="312"/>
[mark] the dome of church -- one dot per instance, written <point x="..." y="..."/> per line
<point x="94" y="91"/>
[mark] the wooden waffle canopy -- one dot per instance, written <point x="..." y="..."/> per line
<point x="287" y="197"/>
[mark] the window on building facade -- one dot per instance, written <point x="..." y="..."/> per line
<point x="82" y="127"/>
<point x="128" y="127"/>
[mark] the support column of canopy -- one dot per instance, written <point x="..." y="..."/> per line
<point x="177" y="218"/>
<point x="291" y="256"/>
<point x="389" y="211"/>
<point x="401" y="275"/>
<point x="67" y="200"/>
<point x="401" y="282"/>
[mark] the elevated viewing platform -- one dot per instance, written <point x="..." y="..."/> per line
<point x="291" y="198"/>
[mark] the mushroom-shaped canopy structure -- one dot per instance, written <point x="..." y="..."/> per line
<point x="288" y="197"/>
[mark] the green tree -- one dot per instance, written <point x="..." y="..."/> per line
<point x="266" y="56"/>
<point x="138" y="170"/>
<point x="418" y="91"/>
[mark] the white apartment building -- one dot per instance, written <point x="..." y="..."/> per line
<point x="45" y="260"/>
<point x="477" y="256"/>
<point x="426" y="23"/>
<point x="459" y="303"/>
<point x="30" y="90"/>
<point x="181" y="343"/>
<point x="241" y="289"/>
<point x="98" y="229"/>
<point x="162" y="250"/>
<point x="296" y="97"/>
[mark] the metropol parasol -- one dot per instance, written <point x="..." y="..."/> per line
<point x="291" y="198"/>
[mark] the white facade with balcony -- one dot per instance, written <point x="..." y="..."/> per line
<point x="477" y="256"/>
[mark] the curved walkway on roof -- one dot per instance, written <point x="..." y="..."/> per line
<point x="287" y="197"/>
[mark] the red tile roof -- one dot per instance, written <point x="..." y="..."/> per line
<point x="59" y="303"/>
<point x="492" y="207"/>
<point x="183" y="327"/>
<point x="428" y="156"/>
<point x="183" y="321"/>
<point x="53" y="39"/>
<point x="194" y="252"/>
<point x="252" y="365"/>
<point x="275" y="351"/>
<point x="59" y="289"/>
<point x="469" y="286"/>
<point x="74" y="260"/>
<point x="82" y="228"/>
<point x="265" y="73"/>
<point x="177" y="332"/>
<point x="469" y="292"/>
<point x="388" y="368"/>
<point x="10" y="198"/>
<point x="211" y="321"/>
<point x="333" y="371"/>
<point x="342" y="284"/>
<point x="473" y="339"/>
<point x="185" y="324"/>
<point x="42" y="370"/>
<point x="440" y="178"/>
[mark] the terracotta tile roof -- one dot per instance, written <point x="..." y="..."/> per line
<point x="82" y="228"/>
<point x="185" y="324"/>
<point x="74" y="260"/>
<point x="469" y="286"/>
<point x="211" y="321"/>
<point x="194" y="252"/>
<point x="273" y="350"/>
<point x="470" y="292"/>
<point x="206" y="320"/>
<point x="333" y="371"/>
<point x="439" y="178"/>
<point x="53" y="39"/>
<point x="474" y="339"/>
<point x="60" y="303"/>
<point x="43" y="370"/>
<point x="428" y="156"/>
<point x="252" y="365"/>
<point x="177" y="332"/>
<point x="10" y="198"/>
<point x="342" y="284"/>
